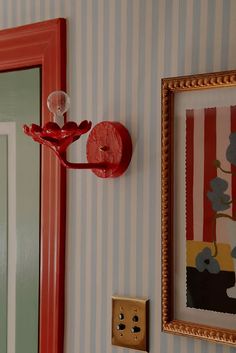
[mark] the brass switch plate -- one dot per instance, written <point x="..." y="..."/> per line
<point x="130" y="322"/>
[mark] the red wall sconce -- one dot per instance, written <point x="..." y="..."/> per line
<point x="109" y="145"/>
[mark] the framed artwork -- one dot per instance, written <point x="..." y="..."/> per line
<point x="199" y="206"/>
<point x="37" y="51"/>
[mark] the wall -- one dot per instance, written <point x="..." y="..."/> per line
<point x="117" y="52"/>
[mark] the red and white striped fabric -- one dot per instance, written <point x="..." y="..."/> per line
<point x="207" y="139"/>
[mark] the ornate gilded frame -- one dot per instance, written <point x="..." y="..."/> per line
<point x="170" y="86"/>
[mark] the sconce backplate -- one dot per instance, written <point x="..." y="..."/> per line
<point x="109" y="143"/>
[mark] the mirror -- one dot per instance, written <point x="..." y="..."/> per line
<point x="32" y="186"/>
<point x="19" y="212"/>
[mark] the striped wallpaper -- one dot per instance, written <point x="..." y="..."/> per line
<point x="118" y="50"/>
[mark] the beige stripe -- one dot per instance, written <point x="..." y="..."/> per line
<point x="160" y="64"/>
<point x="232" y="41"/>
<point x="28" y="11"/>
<point x="146" y="151"/>
<point x="202" y="36"/>
<point x="133" y="167"/>
<point x="88" y="258"/>
<point x="223" y="128"/>
<point x="100" y="59"/>
<point x="76" y="192"/>
<point x="110" y="217"/>
<point x="170" y="343"/>
<point x="9" y="14"/>
<point x="57" y="9"/>
<point x="189" y="37"/>
<point x="227" y="349"/>
<point x="161" y="45"/>
<point x="99" y="284"/>
<point x="198" y="186"/>
<point x="17" y="11"/>
<point x="1" y="14"/>
<point x="37" y="11"/>
<point x="156" y="319"/>
<point x="77" y="45"/>
<point x="111" y="69"/>
<point x="89" y="180"/>
<point x="46" y="9"/>
<point x="174" y="38"/>
<point x="217" y="36"/>
<point x="183" y="345"/>
<point x="197" y="346"/>
<point x="110" y="183"/>
<point x="89" y="60"/>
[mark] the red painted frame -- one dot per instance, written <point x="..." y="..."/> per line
<point x="43" y="45"/>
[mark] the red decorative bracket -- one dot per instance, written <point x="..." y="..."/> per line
<point x="109" y="145"/>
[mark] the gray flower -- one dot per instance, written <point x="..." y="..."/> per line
<point x="205" y="261"/>
<point x="233" y="252"/>
<point x="231" y="150"/>
<point x="219" y="200"/>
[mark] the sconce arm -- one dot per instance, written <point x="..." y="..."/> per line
<point x="67" y="164"/>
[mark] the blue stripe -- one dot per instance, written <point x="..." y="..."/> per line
<point x="106" y="60"/>
<point x="94" y="273"/>
<point x="141" y="119"/>
<point x="128" y="108"/>
<point x="74" y="68"/>
<point x="94" y="25"/>
<point x="163" y="343"/>
<point x="219" y="348"/>
<point x="13" y="18"/>
<point x="63" y="7"/>
<point x="33" y="11"/>
<point x="232" y="350"/>
<point x="168" y="37"/>
<point x="52" y="6"/>
<point x="182" y="37"/>
<point x="22" y="12"/>
<point x="195" y="36"/>
<point x="204" y="346"/>
<point x="73" y="61"/>
<point x="83" y="179"/>
<point x="154" y="127"/>
<point x="42" y="9"/>
<point x="225" y="34"/>
<point x="176" y="344"/>
<point x="210" y="34"/>
<point x="190" y="345"/>
<point x="4" y="11"/>
<point x="117" y="112"/>
<point x="73" y="181"/>
<point x="105" y="235"/>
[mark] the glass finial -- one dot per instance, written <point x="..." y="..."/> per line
<point x="58" y="103"/>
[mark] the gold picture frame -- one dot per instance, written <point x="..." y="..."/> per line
<point x="172" y="88"/>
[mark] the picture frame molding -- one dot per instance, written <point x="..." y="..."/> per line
<point x="170" y="86"/>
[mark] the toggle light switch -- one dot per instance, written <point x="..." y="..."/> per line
<point x="130" y="322"/>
